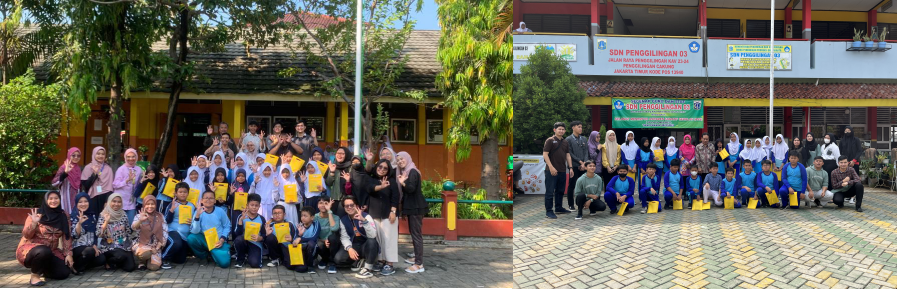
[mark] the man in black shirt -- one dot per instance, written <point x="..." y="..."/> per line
<point x="557" y="164"/>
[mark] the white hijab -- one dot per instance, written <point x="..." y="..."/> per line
<point x="671" y="146"/>
<point x="655" y="144"/>
<point x="263" y="156"/>
<point x="748" y="152"/>
<point x="630" y="147"/>
<point x="213" y="167"/>
<point x="779" y="149"/>
<point x="198" y="184"/>
<point x="265" y="187"/>
<point x="246" y="162"/>
<point x="759" y="153"/>
<point x="290" y="180"/>
<point x="733" y="146"/>
<point x="611" y="147"/>
<point x="307" y="191"/>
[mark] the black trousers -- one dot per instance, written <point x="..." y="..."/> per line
<point x="248" y="252"/>
<point x="272" y="245"/>
<point x="308" y="256"/>
<point x="118" y="258"/>
<point x="856" y="190"/>
<point x="41" y="260"/>
<point x="85" y="257"/>
<point x="415" y="227"/>
<point x="367" y="250"/>
<point x="328" y="254"/>
<point x="595" y="206"/>
<point x="571" y="187"/>
<point x="176" y="249"/>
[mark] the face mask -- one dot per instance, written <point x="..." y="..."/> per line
<point x="358" y="167"/>
<point x="694" y="173"/>
<point x="622" y="175"/>
<point x="828" y="141"/>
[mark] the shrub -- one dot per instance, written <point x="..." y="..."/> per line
<point x="433" y="190"/>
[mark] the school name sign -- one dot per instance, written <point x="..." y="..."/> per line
<point x="657" y="113"/>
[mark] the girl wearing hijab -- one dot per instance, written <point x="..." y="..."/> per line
<point x="194" y="180"/>
<point x="611" y="157"/>
<point x="338" y="177"/>
<point x="68" y="179"/>
<point x="630" y="152"/>
<point x="767" y="147"/>
<point x="152" y="234"/>
<point x="259" y="161"/>
<point x="84" y="236"/>
<point x="114" y="233"/>
<point x="810" y="151"/>
<point x="414" y="207"/>
<point x="46" y="244"/>
<point x="97" y="177"/>
<point x="151" y="176"/>
<point x="310" y="196"/>
<point x="201" y="162"/>
<point x="718" y="146"/>
<point x="220" y="176"/>
<point x="687" y="155"/>
<point x="240" y="184"/>
<point x="264" y="186"/>
<point x="672" y="153"/>
<point x="125" y="180"/>
<point x="734" y="149"/>
<point x="655" y="146"/>
<point x="779" y="154"/>
<point x="241" y="162"/>
<point x="759" y="154"/>
<point x="285" y="178"/>
<point x="644" y="157"/>
<point x="172" y="172"/>
<point x="748" y="154"/>
<point x="830" y="154"/>
<point x="595" y="149"/>
<point x="217" y="162"/>
<point x="383" y="204"/>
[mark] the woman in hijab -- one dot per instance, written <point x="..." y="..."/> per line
<point x="672" y="153"/>
<point x="687" y="154"/>
<point x="383" y="204"/>
<point x="734" y="149"/>
<point x="655" y="149"/>
<point x="46" y="244"/>
<point x="851" y="147"/>
<point x="68" y="179"/>
<point x="630" y="152"/>
<point x="114" y="233"/>
<point x="337" y="177"/>
<point x="264" y="186"/>
<point x="611" y="157"/>
<point x="779" y="152"/>
<point x="386" y="153"/>
<point x="595" y="149"/>
<point x="810" y="151"/>
<point x="84" y="236"/>
<point x="152" y="234"/>
<point x="830" y="154"/>
<point x="151" y="177"/>
<point x="359" y="181"/>
<point x="414" y="207"/>
<point x="125" y="180"/>
<point x="644" y="157"/>
<point x="284" y="178"/>
<point x="172" y="172"/>
<point x="97" y="178"/>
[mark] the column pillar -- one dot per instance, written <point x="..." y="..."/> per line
<point x="807" y="19"/>
<point x="449" y="154"/>
<point x="807" y="123"/>
<point x="330" y="123"/>
<point x="596" y="118"/>
<point x="703" y="130"/>
<point x="872" y="123"/>
<point x="234" y="113"/>
<point x="786" y="127"/>
<point x="609" y="11"/>
<point x="702" y="14"/>
<point x="422" y="124"/>
<point x="596" y="16"/>
<point x="518" y="17"/>
<point x="344" y="124"/>
<point x="872" y="20"/>
<point x="788" y="14"/>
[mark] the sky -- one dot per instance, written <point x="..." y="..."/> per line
<point x="426" y="18"/>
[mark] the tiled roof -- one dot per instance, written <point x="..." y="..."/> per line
<point x="740" y="90"/>
<point x="313" y="21"/>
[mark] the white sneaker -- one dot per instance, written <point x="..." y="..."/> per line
<point x="644" y="210"/>
<point x="853" y="200"/>
<point x="274" y="263"/>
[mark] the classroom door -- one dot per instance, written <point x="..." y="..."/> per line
<point x="191" y="132"/>
<point x="94" y="134"/>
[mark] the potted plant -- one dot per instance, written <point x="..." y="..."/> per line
<point x="857" y="38"/>
<point x="869" y="42"/>
<point x="143" y="149"/>
<point x="873" y="177"/>
<point x="881" y="38"/>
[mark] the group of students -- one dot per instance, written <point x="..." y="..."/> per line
<point x="135" y="220"/>
<point x="801" y="170"/>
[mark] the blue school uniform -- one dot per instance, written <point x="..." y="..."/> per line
<point x="766" y="180"/>
<point x="625" y="187"/>
<point x="746" y="180"/>
<point x="690" y="185"/>
<point x="730" y="188"/>
<point x="644" y="192"/>
<point x="642" y="160"/>
<point x="794" y="178"/>
<point x="733" y="156"/>
<point x="671" y="181"/>
<point x="197" y="241"/>
<point x="666" y="160"/>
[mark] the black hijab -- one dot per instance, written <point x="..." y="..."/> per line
<point x="346" y="163"/>
<point x="89" y="225"/>
<point x="809" y="146"/>
<point x="54" y="217"/>
<point x="831" y="136"/>
<point x="141" y="186"/>
<point x="177" y="171"/>
<point x="850" y="145"/>
<point x="642" y="146"/>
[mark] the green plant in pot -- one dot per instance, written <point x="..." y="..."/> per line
<point x="869" y="42"/>
<point x="143" y="149"/>
<point x="873" y="178"/>
<point x="881" y="38"/>
<point x="857" y="38"/>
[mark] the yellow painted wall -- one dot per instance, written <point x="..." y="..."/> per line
<point x="234" y="113"/>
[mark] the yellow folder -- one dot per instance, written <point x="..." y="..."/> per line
<point x="296" y="164"/>
<point x="632" y="171"/>
<point x="773" y="199"/>
<point x="658" y="155"/>
<point x="221" y="191"/>
<point x="249" y="229"/>
<point x="281" y="230"/>
<point x="240" y="200"/>
<point x="652" y="207"/>
<point x="729" y="202"/>
<point x="169" y="187"/>
<point x="778" y="175"/>
<point x="792" y="199"/>
<point x="752" y="203"/>
<point x="271" y="159"/>
<point x="211" y="238"/>
<point x="290" y="194"/>
<point x="677" y="204"/>
<point x="705" y="206"/>
<point x="697" y="205"/>
<point x="193" y="197"/>
<point x="184" y="214"/>
<point x="296" y="255"/>
<point x="622" y="208"/>
<point x="150" y="188"/>
<point x="315" y="180"/>
<point x="323" y="166"/>
<point x="724" y="154"/>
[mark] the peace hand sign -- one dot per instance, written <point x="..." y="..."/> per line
<point x="68" y="166"/>
<point x="193" y="160"/>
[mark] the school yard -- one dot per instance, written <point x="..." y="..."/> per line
<point x="447" y="266"/>
<point x="821" y="248"/>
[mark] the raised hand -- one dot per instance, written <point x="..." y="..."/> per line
<point x="368" y="155"/>
<point x="82" y="218"/>
<point x="202" y="207"/>
<point x="215" y="142"/>
<point x="233" y="188"/>
<point x="35" y="217"/>
<point x="142" y="217"/>
<point x="314" y="134"/>
<point x="346" y="176"/>
<point x="332" y="167"/>
<point x="302" y="177"/>
<point x="68" y="166"/>
<point x="212" y="186"/>
<point x="384" y="181"/>
<point x="193" y="161"/>
<point x="276" y="183"/>
<point x="402" y="179"/>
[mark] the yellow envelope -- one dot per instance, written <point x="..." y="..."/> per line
<point x="778" y="175"/>
<point x="658" y="155"/>
<point x="706" y="206"/>
<point x="271" y="159"/>
<point x="315" y="180"/>
<point x="792" y="199"/>
<point x="184" y="214"/>
<point x="169" y="187"/>
<point x="281" y="230"/>
<point x="220" y="191"/>
<point x="622" y="208"/>
<point x="697" y="205"/>
<point x="724" y="154"/>
<point x="211" y="238"/>
<point x="677" y="204"/>
<point x="249" y="229"/>
<point x="150" y="188"/>
<point x="290" y="194"/>
<point x="652" y="207"/>
<point x="240" y="200"/>
<point x="773" y="199"/>
<point x="193" y="197"/>
<point x="296" y="164"/>
<point x="322" y="166"/>
<point x="729" y="202"/>
<point x="632" y="171"/>
<point x="752" y="203"/>
<point x="296" y="255"/>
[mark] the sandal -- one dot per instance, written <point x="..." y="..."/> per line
<point x="419" y="269"/>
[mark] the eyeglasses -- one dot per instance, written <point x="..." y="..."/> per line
<point x="349" y="206"/>
<point x="76" y="155"/>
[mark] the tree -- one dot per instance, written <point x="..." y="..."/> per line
<point x="476" y="81"/>
<point x="20" y="44"/>
<point x="549" y="92"/>
<point x="329" y="51"/>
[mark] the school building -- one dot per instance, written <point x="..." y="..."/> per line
<point x="717" y="50"/>
<point x="245" y="86"/>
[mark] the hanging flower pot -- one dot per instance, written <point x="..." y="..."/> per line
<point x="882" y="45"/>
<point x="870" y="44"/>
<point x="857" y="44"/>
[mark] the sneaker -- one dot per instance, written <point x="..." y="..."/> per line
<point x="166" y="265"/>
<point x="274" y="263"/>
<point x="572" y="208"/>
<point x="562" y="211"/>
<point x="818" y="203"/>
<point x="321" y="265"/>
<point x="644" y="210"/>
<point x="331" y="269"/>
<point x="859" y="210"/>
<point x="357" y="266"/>
<point x="420" y="269"/>
<point x="312" y="271"/>
<point x="551" y="215"/>
<point x="614" y="211"/>
<point x="410" y="254"/>
<point x="364" y="274"/>
<point x="378" y="267"/>
<point x="387" y="270"/>
<point x="853" y="200"/>
<point x="593" y="213"/>
<point x="238" y="265"/>
<point x="578" y="216"/>
<point x="409" y="261"/>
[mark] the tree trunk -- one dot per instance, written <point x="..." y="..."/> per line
<point x="490" y="178"/>
<point x="368" y="123"/>
<point x="113" y="136"/>
<point x="177" y="86"/>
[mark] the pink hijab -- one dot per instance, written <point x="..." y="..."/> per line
<point x="105" y="175"/>
<point x="74" y="175"/>
<point x="131" y="151"/>
<point x="687" y="149"/>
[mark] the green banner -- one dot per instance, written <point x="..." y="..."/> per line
<point x="658" y="113"/>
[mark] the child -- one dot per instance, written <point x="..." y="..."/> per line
<point x="250" y="250"/>
<point x="620" y="189"/>
<point x="655" y="146"/>
<point x="729" y="188"/>
<point x="308" y="237"/>
<point x="779" y="149"/>
<point x="644" y="157"/>
<point x="720" y="162"/>
<point x="748" y="154"/>
<point x="195" y="182"/>
<point x="747" y="183"/>
<point x="240" y="185"/>
<point x="240" y="163"/>
<point x="328" y="236"/>
<point x="286" y="178"/>
<point x="218" y="162"/>
<point x="672" y="182"/>
<point x="693" y="185"/>
<point x="649" y="188"/>
<point x="207" y="217"/>
<point x="176" y="248"/>
<point x="202" y="163"/>
<point x="794" y="180"/>
<point x="711" y="184"/>
<point x="589" y="188"/>
<point x="311" y="195"/>
<point x="259" y="161"/>
<point x="171" y="172"/>
<point x="264" y="186"/>
<point x="817" y="184"/>
<point x="672" y="153"/>
<point x="151" y="177"/>
<point x="759" y="153"/>
<point x="734" y="147"/>
<point x="277" y="250"/>
<point x="766" y="182"/>
<point x="220" y="177"/>
<point x="629" y="153"/>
